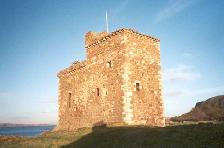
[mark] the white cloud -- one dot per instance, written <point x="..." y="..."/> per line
<point x="202" y="93"/>
<point x="174" y="7"/>
<point x="181" y="72"/>
<point x="181" y="100"/>
<point x="208" y="92"/>
<point x="4" y="95"/>
<point x="122" y="5"/>
<point x="187" y="55"/>
<point x="176" y="93"/>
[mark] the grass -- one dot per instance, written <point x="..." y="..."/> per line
<point x="196" y="135"/>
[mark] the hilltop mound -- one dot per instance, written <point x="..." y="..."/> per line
<point x="209" y="110"/>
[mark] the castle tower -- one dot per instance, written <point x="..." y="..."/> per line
<point x="119" y="82"/>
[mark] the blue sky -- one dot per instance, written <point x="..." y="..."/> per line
<point x="40" y="37"/>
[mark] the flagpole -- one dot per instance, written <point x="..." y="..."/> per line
<point x="107" y="23"/>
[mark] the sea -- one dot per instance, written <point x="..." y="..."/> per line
<point x="29" y="131"/>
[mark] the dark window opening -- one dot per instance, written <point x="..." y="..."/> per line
<point x="69" y="99"/>
<point x="98" y="91"/>
<point x="137" y="86"/>
<point x="109" y="64"/>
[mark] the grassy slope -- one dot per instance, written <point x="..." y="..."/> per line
<point x="208" y="110"/>
<point x="210" y="135"/>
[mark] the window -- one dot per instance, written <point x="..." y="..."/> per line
<point x="69" y="99"/>
<point x="109" y="65"/>
<point x="137" y="86"/>
<point x="98" y="91"/>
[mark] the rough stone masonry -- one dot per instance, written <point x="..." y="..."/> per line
<point x="119" y="82"/>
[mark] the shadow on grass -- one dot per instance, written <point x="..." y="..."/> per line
<point x="202" y="135"/>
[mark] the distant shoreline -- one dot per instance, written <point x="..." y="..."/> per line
<point x="23" y="125"/>
<point x="27" y="131"/>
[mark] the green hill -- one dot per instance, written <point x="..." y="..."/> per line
<point x="209" y="110"/>
<point x="198" y="135"/>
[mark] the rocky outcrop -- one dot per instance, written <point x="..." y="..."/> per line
<point x="209" y="110"/>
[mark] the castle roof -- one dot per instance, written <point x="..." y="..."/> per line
<point x="75" y="66"/>
<point x="79" y="65"/>
<point x="118" y="32"/>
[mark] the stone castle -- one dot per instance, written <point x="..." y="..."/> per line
<point x="119" y="82"/>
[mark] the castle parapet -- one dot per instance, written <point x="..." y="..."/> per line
<point x="92" y="37"/>
<point x="71" y="69"/>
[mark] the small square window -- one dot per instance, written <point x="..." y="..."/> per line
<point x="137" y="86"/>
<point x="109" y="64"/>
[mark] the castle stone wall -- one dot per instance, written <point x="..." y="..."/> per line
<point x="87" y="108"/>
<point x="102" y="89"/>
<point x="143" y="58"/>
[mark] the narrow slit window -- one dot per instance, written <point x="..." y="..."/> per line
<point x="137" y="86"/>
<point x="109" y="65"/>
<point x="98" y="91"/>
<point x="69" y="99"/>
